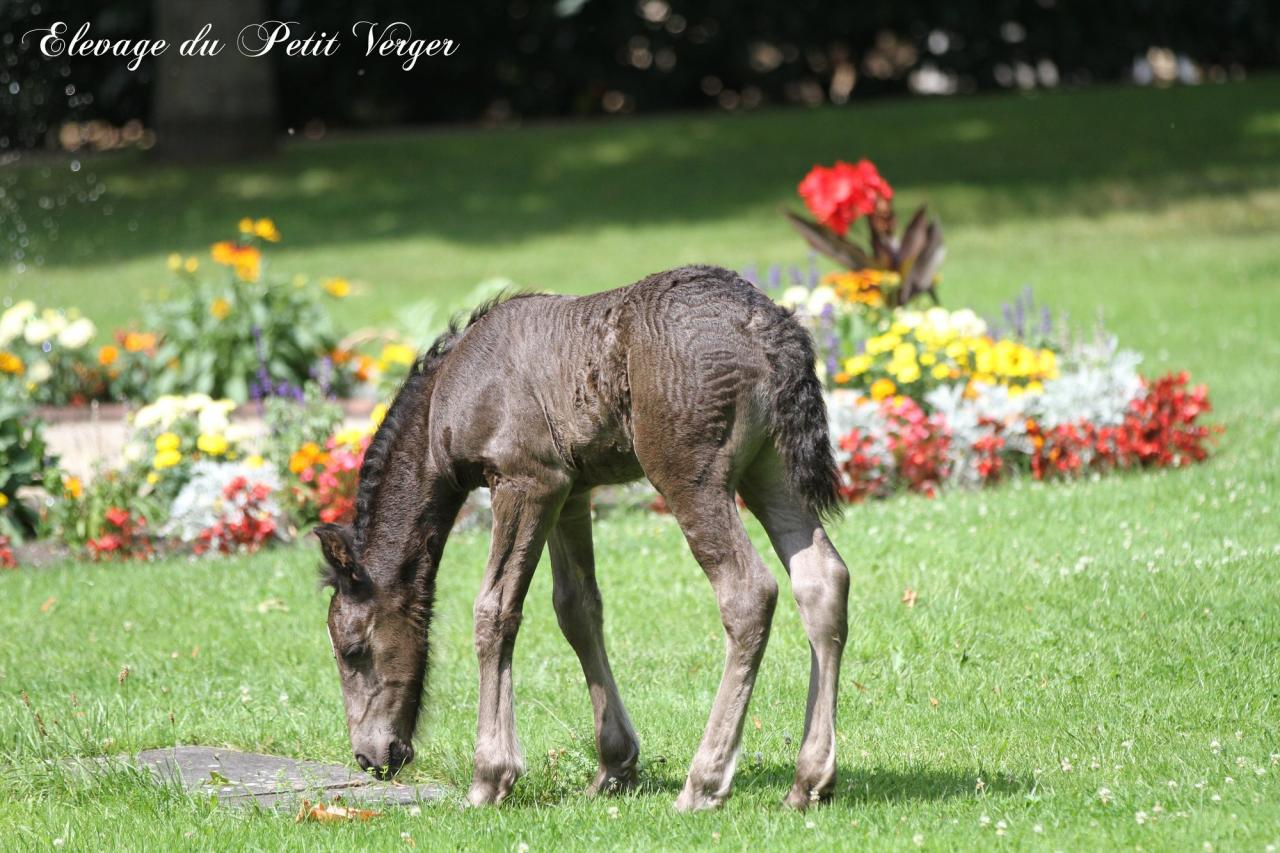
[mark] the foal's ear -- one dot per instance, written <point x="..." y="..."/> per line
<point x="339" y="552"/>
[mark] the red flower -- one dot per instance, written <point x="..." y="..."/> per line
<point x="116" y="517"/>
<point x="839" y="194"/>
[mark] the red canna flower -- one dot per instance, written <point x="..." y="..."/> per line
<point x="839" y="194"/>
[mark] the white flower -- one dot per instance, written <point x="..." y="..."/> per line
<point x="13" y="321"/>
<point x="160" y="413"/>
<point x="967" y="324"/>
<point x="77" y="334"/>
<point x="40" y="372"/>
<point x="37" y="331"/>
<point x="821" y="298"/>
<point x="213" y="417"/>
<point x="794" y="296"/>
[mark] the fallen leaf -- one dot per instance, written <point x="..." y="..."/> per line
<point x="124" y="673"/>
<point x="909" y="597"/>
<point x="48" y="604"/>
<point x="272" y="605"/>
<point x="862" y="688"/>
<point x="332" y="813"/>
<point x="933" y="702"/>
<point x="756" y="722"/>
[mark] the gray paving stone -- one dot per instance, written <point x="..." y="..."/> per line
<point x="241" y="779"/>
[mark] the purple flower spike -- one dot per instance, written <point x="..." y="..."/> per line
<point x="775" y="277"/>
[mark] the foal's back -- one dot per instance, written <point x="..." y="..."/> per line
<point x="602" y="386"/>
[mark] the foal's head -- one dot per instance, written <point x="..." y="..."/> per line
<point x="378" y="619"/>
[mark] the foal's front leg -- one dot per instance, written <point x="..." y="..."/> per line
<point x="524" y="510"/>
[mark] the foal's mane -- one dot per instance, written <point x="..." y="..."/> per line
<point x="417" y="383"/>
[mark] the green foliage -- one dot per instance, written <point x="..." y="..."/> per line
<point x="77" y="511"/>
<point x="239" y="331"/>
<point x="292" y="423"/>
<point x="23" y="461"/>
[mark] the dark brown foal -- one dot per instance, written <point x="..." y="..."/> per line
<point x="691" y="378"/>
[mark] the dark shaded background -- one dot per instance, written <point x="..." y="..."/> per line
<point x="521" y="58"/>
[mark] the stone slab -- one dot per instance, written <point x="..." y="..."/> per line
<point x="241" y="779"/>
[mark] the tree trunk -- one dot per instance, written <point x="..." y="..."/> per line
<point x="212" y="107"/>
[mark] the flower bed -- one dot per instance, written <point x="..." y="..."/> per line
<point x="920" y="397"/>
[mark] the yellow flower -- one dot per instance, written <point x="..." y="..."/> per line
<point x="351" y="437"/>
<point x="1016" y="390"/>
<point x="191" y="264"/>
<point x="246" y="225"/>
<point x="166" y="459"/>
<point x="882" y="388"/>
<point x="379" y="412"/>
<point x="398" y="354"/>
<point x="908" y="373"/>
<point x="166" y="441"/>
<point x="858" y="364"/>
<point x="338" y="288"/>
<point x="10" y="363"/>
<point x="153" y="478"/>
<point x="1035" y="387"/>
<point x="254" y="461"/>
<point x="220" y="309"/>
<point x="927" y="358"/>
<point x="905" y="353"/>
<point x="1047" y="364"/>
<point x="213" y="443"/>
<point x="73" y="487"/>
<point x="266" y="230"/>
<point x="941" y="371"/>
<point x="175" y="262"/>
<point x="4" y="500"/>
<point x="883" y="343"/>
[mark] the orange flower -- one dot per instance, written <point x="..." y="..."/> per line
<point x="246" y="260"/>
<point x="138" y="341"/>
<point x="220" y="309"/>
<point x="10" y="363"/>
<point x="107" y="355"/>
<point x="305" y="456"/>
<point x="365" y="367"/>
<point x="340" y="356"/>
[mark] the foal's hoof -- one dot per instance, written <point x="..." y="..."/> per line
<point x="613" y="782"/>
<point x="695" y="801"/>
<point x="802" y="797"/>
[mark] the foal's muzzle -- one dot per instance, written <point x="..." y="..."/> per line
<point x="398" y="754"/>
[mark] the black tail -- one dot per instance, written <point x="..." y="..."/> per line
<point x="799" y="418"/>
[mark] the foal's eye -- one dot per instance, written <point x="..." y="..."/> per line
<point x="353" y="654"/>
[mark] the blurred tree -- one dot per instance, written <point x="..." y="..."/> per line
<point x="212" y="107"/>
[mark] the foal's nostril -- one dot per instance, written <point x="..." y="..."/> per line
<point x="399" y="755"/>
<point x="363" y="761"/>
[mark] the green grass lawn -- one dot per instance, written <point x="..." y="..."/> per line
<point x="1088" y="665"/>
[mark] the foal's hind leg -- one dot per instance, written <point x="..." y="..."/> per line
<point x="578" y="608"/>
<point x="746" y="593"/>
<point x="820" y="584"/>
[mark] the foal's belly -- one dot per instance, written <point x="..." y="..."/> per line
<point x="608" y="468"/>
